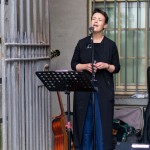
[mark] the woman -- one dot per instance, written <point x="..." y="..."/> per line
<point x="106" y="64"/>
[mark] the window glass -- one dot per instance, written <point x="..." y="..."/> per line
<point x="129" y="17"/>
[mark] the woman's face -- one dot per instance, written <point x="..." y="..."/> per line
<point x="98" y="22"/>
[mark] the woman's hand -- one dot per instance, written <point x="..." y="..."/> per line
<point x="88" y="67"/>
<point x="101" y="65"/>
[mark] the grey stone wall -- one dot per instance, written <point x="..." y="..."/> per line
<point x="68" y="25"/>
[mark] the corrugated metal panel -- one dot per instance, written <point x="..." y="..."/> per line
<point x="26" y="102"/>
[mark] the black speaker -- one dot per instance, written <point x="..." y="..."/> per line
<point x="131" y="146"/>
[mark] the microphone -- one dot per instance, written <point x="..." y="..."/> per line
<point x="91" y="29"/>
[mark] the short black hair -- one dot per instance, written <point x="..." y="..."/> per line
<point x="97" y="10"/>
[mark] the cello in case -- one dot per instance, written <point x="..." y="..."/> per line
<point x="146" y="129"/>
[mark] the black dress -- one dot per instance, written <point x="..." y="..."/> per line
<point x="107" y="52"/>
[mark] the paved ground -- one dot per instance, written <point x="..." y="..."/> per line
<point x="0" y="101"/>
<point x="0" y="116"/>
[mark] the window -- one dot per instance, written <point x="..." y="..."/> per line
<point x="129" y="27"/>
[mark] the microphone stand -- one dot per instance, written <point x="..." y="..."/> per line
<point x="94" y="85"/>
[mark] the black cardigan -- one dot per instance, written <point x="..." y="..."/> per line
<point x="108" y="53"/>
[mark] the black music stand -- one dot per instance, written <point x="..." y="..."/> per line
<point x="66" y="81"/>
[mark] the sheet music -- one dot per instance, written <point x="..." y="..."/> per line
<point x="61" y="70"/>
